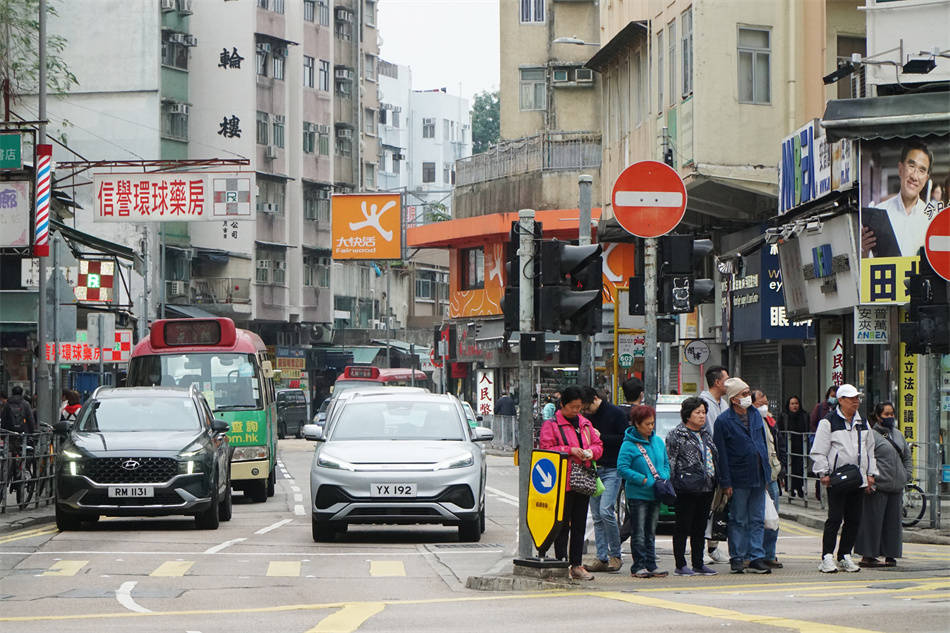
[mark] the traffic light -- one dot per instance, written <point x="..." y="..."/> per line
<point x="571" y="288"/>
<point x="928" y="330"/>
<point x="511" y="300"/>
<point x="678" y="288"/>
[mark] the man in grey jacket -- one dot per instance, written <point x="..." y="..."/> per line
<point x="843" y="438"/>
<point x="715" y="398"/>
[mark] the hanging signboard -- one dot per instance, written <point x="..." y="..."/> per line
<point x="366" y="226"/>
<point x="486" y="391"/>
<point x="15" y="205"/>
<point x="173" y="196"/>
<point x="871" y="325"/>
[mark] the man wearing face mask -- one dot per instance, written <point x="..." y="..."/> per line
<point x="843" y="438"/>
<point x="881" y="532"/>
<point x="744" y="473"/>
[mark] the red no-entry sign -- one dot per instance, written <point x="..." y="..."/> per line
<point x="937" y="244"/>
<point x="649" y="199"/>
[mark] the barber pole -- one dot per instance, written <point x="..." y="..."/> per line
<point x="44" y="159"/>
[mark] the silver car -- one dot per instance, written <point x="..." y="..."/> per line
<point x="397" y="458"/>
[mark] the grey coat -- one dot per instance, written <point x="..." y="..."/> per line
<point x="893" y="465"/>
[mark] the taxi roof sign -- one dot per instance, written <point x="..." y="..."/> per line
<point x="545" y="511"/>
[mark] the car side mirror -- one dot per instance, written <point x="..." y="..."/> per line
<point x="483" y="434"/>
<point x="61" y="427"/>
<point x="220" y="426"/>
<point x="313" y="433"/>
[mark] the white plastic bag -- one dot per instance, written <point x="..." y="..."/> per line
<point x="771" y="514"/>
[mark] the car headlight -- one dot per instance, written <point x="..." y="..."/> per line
<point x="244" y="453"/>
<point x="68" y="454"/>
<point x="328" y="461"/>
<point x="458" y="461"/>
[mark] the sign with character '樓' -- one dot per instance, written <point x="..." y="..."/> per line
<point x="173" y="196"/>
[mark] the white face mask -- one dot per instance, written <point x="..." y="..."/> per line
<point x="745" y="402"/>
<point x="764" y="410"/>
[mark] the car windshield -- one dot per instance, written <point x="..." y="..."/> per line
<point x="398" y="420"/>
<point x="229" y="382"/>
<point x="140" y="414"/>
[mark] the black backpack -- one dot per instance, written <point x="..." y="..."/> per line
<point x="18" y="416"/>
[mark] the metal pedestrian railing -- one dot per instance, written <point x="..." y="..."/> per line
<point x="27" y="467"/>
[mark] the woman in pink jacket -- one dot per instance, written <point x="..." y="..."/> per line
<point x="572" y="434"/>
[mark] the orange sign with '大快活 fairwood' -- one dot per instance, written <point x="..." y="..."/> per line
<point x="366" y="226"/>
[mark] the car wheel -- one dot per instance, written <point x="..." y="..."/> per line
<point x="299" y="433"/>
<point x="281" y="431"/>
<point x="469" y="531"/>
<point x="272" y="482"/>
<point x="224" y="508"/>
<point x="66" y="520"/>
<point x="257" y="490"/>
<point x="208" y="519"/>
<point x="323" y="531"/>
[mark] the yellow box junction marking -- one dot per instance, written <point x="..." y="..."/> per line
<point x="386" y="568"/>
<point x="173" y="568"/>
<point x="349" y="618"/>
<point x="65" y="568"/>
<point x="283" y="568"/>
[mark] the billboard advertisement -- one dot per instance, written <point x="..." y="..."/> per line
<point x="366" y="226"/>
<point x="173" y="196"/>
<point x="903" y="185"/>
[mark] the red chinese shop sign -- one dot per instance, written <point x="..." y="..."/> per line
<point x="173" y="196"/>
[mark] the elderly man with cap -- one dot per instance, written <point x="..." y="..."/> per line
<point x="744" y="472"/>
<point x="843" y="438"/>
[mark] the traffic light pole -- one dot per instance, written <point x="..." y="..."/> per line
<point x="584" y="182"/>
<point x="525" y="375"/>
<point x="649" y="289"/>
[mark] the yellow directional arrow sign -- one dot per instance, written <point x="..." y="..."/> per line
<point x="546" y="497"/>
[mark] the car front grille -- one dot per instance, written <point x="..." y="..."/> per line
<point x="109" y="470"/>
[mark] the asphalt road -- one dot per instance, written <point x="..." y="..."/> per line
<point x="262" y="571"/>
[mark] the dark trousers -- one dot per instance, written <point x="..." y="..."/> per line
<point x="846" y="506"/>
<point x="692" y="510"/>
<point x="575" y="522"/>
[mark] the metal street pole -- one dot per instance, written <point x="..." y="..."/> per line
<point x="143" y="324"/>
<point x="584" y="183"/>
<point x="389" y="272"/>
<point x="57" y="374"/>
<point x="101" y="346"/>
<point x="161" y="274"/>
<point x="649" y="289"/>
<point x="525" y="376"/>
<point x="44" y="397"/>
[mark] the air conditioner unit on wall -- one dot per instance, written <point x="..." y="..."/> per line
<point x="323" y="129"/>
<point x="344" y="132"/>
<point x="168" y="5"/>
<point x="191" y="40"/>
<point x="270" y="152"/>
<point x="177" y="38"/>
<point x="263" y="47"/>
<point x="177" y="288"/>
<point x="321" y="334"/>
<point x="178" y="108"/>
<point x="343" y="73"/>
<point x="268" y="207"/>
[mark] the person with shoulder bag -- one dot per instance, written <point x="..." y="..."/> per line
<point x="843" y="457"/>
<point x="693" y="456"/>
<point x="645" y="469"/>
<point x="572" y="434"/>
<point x="881" y="532"/>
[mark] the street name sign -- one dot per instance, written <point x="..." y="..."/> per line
<point x="649" y="199"/>
<point x="937" y="244"/>
<point x="546" y="497"/>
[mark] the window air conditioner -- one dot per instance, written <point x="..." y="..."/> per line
<point x="323" y="194"/>
<point x="323" y="129"/>
<point x="280" y="52"/>
<point x="177" y="288"/>
<point x="267" y="207"/>
<point x="560" y="75"/>
<point x="178" y="108"/>
<point x="191" y="40"/>
<point x="344" y="133"/>
<point x="263" y="47"/>
<point x="270" y="152"/>
<point x="184" y="6"/>
<point x="177" y="38"/>
<point x="343" y="73"/>
<point x="428" y="121"/>
<point x="168" y="5"/>
<point x="280" y="265"/>
<point x="584" y="75"/>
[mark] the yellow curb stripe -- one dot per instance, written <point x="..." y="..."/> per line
<point x="349" y="618"/>
<point x="17" y="536"/>
<point x="284" y="568"/>
<point x="383" y="568"/>
<point x="832" y="584"/>
<point x="65" y="568"/>
<point x="803" y="626"/>
<point x="172" y="568"/>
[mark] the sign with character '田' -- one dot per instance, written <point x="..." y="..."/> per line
<point x="173" y="196"/>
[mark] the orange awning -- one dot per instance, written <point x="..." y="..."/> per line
<point x="494" y="227"/>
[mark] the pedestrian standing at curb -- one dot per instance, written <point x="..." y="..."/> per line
<point x="716" y="403"/>
<point x="743" y="475"/>
<point x="551" y="406"/>
<point x="793" y="426"/>
<point x="842" y="440"/>
<point x="821" y="410"/>
<point x="572" y="434"/>
<point x="641" y="461"/>
<point x="633" y="395"/>
<point x="881" y="532"/>
<point x="610" y="422"/>
<point x="777" y="464"/>
<point x="693" y="458"/>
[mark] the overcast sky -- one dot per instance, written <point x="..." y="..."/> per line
<point x="445" y="42"/>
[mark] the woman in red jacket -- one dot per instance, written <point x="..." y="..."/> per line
<point x="572" y="434"/>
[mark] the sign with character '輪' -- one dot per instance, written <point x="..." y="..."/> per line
<point x="173" y="196"/>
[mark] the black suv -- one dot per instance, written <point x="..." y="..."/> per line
<point x="291" y="412"/>
<point x="143" y="451"/>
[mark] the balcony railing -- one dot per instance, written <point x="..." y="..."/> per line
<point x="221" y="290"/>
<point x="555" y="151"/>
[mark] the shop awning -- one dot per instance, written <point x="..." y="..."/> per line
<point x="187" y="312"/>
<point x="363" y="355"/>
<point x="627" y="35"/>
<point x="898" y="116"/>
<point x="274" y="244"/>
<point x="96" y="243"/>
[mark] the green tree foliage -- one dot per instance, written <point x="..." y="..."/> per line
<point x="486" y="121"/>
<point x="19" y="49"/>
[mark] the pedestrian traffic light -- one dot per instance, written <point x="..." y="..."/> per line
<point x="928" y="330"/>
<point x="571" y="288"/>
<point x="511" y="300"/>
<point x="679" y="288"/>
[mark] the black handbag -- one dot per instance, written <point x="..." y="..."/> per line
<point x="581" y="479"/>
<point x="662" y="488"/>
<point x="690" y="481"/>
<point x="848" y="477"/>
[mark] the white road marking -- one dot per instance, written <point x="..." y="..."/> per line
<point x="298" y="510"/>
<point x="221" y="546"/>
<point x="501" y="493"/>
<point x="124" y="595"/>
<point x="298" y="497"/>
<point x="273" y="527"/>
<point x="648" y="199"/>
<point x="295" y="488"/>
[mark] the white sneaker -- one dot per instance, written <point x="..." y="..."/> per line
<point x="718" y="556"/>
<point x="707" y="559"/>
<point x="828" y="565"/>
<point x="846" y="564"/>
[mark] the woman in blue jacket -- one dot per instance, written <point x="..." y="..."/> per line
<point x="642" y="504"/>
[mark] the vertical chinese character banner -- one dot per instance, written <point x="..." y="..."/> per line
<point x="908" y="395"/>
<point x="833" y="352"/>
<point x="899" y="198"/>
<point x="485" y="402"/>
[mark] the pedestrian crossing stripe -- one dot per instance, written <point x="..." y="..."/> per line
<point x="172" y="568"/>
<point x="65" y="568"/>
<point x="283" y="568"/>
